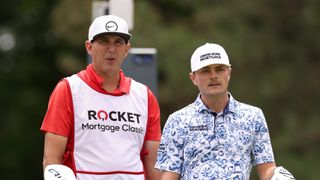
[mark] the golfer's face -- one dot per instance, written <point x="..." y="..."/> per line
<point x="212" y="79"/>
<point x="108" y="53"/>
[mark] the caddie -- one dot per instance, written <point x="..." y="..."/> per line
<point x="99" y="122"/>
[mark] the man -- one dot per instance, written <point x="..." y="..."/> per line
<point x="100" y="123"/>
<point x="216" y="137"/>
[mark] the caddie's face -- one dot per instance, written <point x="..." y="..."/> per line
<point x="212" y="80"/>
<point x="108" y="53"/>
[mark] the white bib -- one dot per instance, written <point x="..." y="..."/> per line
<point x="109" y="131"/>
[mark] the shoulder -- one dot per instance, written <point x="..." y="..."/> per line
<point x="62" y="87"/>
<point x="248" y="107"/>
<point x="243" y="108"/>
<point x="183" y="116"/>
<point x="141" y="88"/>
<point x="137" y="85"/>
<point x="251" y="115"/>
<point x="186" y="110"/>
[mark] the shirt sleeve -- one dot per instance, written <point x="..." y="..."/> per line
<point x="171" y="148"/>
<point x="262" y="148"/>
<point x="59" y="115"/>
<point x="153" y="127"/>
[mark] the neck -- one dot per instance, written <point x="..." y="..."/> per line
<point x="111" y="82"/>
<point x="216" y="103"/>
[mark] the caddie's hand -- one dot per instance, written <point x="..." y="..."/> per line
<point x="281" y="173"/>
<point x="58" y="172"/>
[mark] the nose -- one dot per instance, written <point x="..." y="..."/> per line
<point x="213" y="74"/>
<point x="111" y="47"/>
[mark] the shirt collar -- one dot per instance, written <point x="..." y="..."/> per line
<point x="95" y="81"/>
<point x="230" y="107"/>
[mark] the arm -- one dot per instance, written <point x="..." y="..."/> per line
<point x="262" y="153"/>
<point x="170" y="152"/>
<point x="57" y="124"/>
<point x="265" y="171"/>
<point x="152" y="138"/>
<point x="54" y="148"/>
<point x="149" y="160"/>
<point x="166" y="175"/>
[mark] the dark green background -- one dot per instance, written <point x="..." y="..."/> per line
<point x="273" y="47"/>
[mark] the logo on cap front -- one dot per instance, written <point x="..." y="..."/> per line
<point x="111" y="26"/>
<point x="214" y="55"/>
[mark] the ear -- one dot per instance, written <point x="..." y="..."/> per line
<point x="193" y="78"/>
<point x="127" y="49"/>
<point x="229" y="76"/>
<point x="88" y="46"/>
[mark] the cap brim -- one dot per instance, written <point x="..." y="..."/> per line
<point x="208" y="64"/>
<point x="125" y="37"/>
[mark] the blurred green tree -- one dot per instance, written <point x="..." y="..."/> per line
<point x="273" y="48"/>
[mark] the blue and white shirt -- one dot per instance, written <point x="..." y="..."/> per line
<point x="199" y="145"/>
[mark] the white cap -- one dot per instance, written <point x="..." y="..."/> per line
<point x="58" y="172"/>
<point x="109" y="24"/>
<point x="208" y="54"/>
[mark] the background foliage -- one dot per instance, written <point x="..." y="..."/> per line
<point x="273" y="47"/>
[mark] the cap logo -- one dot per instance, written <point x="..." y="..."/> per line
<point x="210" y="56"/>
<point x="111" y="26"/>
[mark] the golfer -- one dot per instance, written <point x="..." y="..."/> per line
<point x="216" y="136"/>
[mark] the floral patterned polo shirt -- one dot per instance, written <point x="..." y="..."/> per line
<point x="200" y="144"/>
